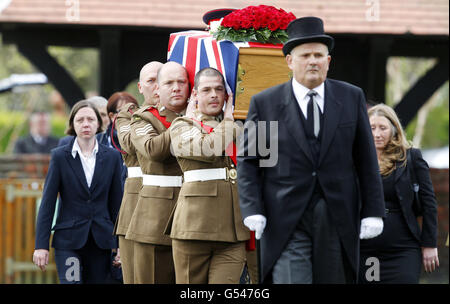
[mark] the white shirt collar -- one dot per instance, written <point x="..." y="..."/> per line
<point x="38" y="139"/>
<point x="303" y="91"/>
<point x="76" y="148"/>
<point x="301" y="95"/>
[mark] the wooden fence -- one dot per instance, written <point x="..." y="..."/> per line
<point x="18" y="208"/>
<point x="20" y="195"/>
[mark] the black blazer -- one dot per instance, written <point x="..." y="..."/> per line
<point x="28" y="145"/>
<point x="347" y="169"/>
<point x="82" y="208"/>
<point x="105" y="137"/>
<point x="102" y="138"/>
<point x="65" y="140"/>
<point x="403" y="188"/>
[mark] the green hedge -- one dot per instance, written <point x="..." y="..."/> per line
<point x="10" y="121"/>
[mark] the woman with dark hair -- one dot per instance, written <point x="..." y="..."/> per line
<point x="403" y="246"/>
<point x="86" y="175"/>
<point x="115" y="103"/>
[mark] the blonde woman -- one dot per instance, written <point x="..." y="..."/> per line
<point x="403" y="246"/>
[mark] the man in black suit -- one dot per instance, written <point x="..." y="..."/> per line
<point x="39" y="140"/>
<point x="325" y="190"/>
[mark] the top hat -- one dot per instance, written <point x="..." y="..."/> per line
<point x="306" y="29"/>
<point x="216" y="14"/>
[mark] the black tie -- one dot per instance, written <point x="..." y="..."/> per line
<point x="313" y="119"/>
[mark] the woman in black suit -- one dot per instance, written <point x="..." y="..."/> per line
<point x="403" y="246"/>
<point x="86" y="175"/>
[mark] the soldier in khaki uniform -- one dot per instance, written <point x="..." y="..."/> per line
<point x="147" y="84"/>
<point x="133" y="183"/>
<point x="208" y="235"/>
<point x="162" y="177"/>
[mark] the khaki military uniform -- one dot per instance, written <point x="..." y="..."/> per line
<point x="133" y="185"/>
<point x="252" y="266"/>
<point x="157" y="198"/>
<point x="207" y="229"/>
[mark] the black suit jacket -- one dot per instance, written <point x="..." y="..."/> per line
<point x="102" y="139"/>
<point x="27" y="145"/>
<point x="65" y="140"/>
<point x="347" y="169"/>
<point x="403" y="188"/>
<point x="82" y="208"/>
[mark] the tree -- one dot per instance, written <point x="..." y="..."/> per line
<point x="429" y="129"/>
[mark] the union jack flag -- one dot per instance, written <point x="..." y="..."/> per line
<point x="196" y="50"/>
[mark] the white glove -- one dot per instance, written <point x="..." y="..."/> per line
<point x="371" y="227"/>
<point x="256" y="223"/>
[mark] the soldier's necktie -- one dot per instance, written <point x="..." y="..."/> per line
<point x="313" y="113"/>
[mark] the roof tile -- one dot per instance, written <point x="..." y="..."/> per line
<point x="421" y="17"/>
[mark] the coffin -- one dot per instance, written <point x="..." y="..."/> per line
<point x="258" y="69"/>
<point x="248" y="67"/>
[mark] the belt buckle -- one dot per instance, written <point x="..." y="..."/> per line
<point x="231" y="173"/>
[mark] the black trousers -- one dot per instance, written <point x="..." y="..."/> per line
<point x="87" y="265"/>
<point x="314" y="254"/>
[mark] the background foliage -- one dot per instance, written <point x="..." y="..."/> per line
<point x="15" y="124"/>
<point x="402" y="74"/>
<point x="16" y="105"/>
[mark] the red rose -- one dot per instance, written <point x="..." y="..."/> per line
<point x="228" y="20"/>
<point x="284" y="22"/>
<point x="273" y="26"/>
<point x="265" y="20"/>
<point x="225" y="22"/>
<point x="257" y="24"/>
<point x="246" y="23"/>
<point x="257" y="17"/>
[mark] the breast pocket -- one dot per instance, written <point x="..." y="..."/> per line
<point x="347" y="124"/>
<point x="345" y="133"/>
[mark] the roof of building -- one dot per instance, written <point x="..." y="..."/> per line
<point x="419" y="17"/>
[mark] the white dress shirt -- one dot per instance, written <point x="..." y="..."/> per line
<point x="301" y="94"/>
<point x="88" y="162"/>
<point x="39" y="139"/>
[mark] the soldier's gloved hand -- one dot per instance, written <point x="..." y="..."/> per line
<point x="256" y="223"/>
<point x="371" y="227"/>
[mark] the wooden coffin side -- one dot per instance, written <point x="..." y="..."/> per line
<point x="259" y="69"/>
